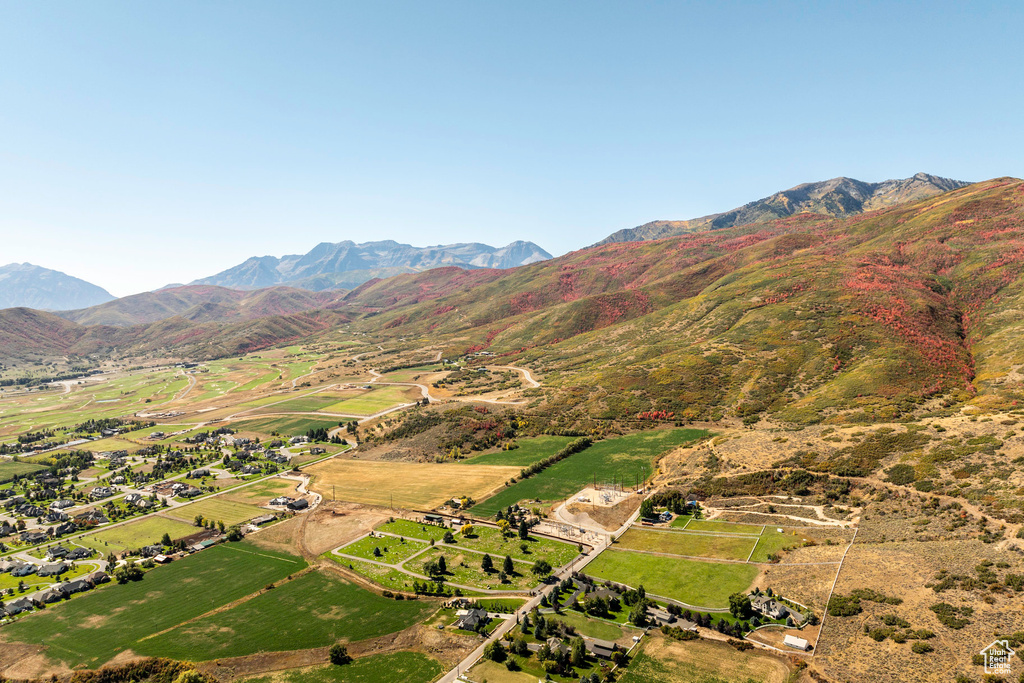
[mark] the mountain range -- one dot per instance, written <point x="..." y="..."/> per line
<point x="24" y="284"/>
<point x="836" y="197"/>
<point x="346" y="265"/>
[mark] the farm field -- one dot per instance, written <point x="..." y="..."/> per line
<point x="772" y="542"/>
<point x="623" y="458"/>
<point x="120" y="615"/>
<point x="665" y="661"/>
<point x="376" y="400"/>
<point x="529" y="451"/>
<point x="410" y="485"/>
<point x="261" y="492"/>
<point x="723" y="527"/>
<point x="136" y="534"/>
<point x="409" y="374"/>
<point x="284" y="425"/>
<point x="10" y="469"/>
<point x="694" y="582"/>
<point x="319" y="610"/>
<point x="217" y="509"/>
<point x="395" y="667"/>
<point x="301" y="404"/>
<point x="682" y="543"/>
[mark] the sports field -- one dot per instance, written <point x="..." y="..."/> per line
<point x="408" y="485"/>
<point x="682" y="543"/>
<point x="218" y="509"/>
<point x="694" y="582"/>
<point x="93" y="628"/>
<point x="624" y="458"/>
<point x="396" y="667"/>
<point x="319" y="610"/>
<point x="529" y="451"/>
<point x="137" y="534"/>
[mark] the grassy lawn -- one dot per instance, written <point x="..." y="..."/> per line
<point x="490" y="540"/>
<point x="382" y="576"/>
<point x="697" y="583"/>
<point x="92" y="629"/>
<point x="682" y="543"/>
<point x="409" y="484"/>
<point x="772" y="542"/>
<point x="464" y="568"/>
<point x="136" y="534"/>
<point x="405" y="527"/>
<point x="217" y="509"/>
<point x="319" y="610"/>
<point x="392" y="550"/>
<point x="261" y="492"/>
<point x="680" y="521"/>
<point x="529" y="452"/>
<point x="622" y="458"/>
<point x="724" y="527"/>
<point x="35" y="582"/>
<point x="594" y="628"/>
<point x="396" y="667"/>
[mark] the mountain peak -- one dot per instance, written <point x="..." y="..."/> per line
<point x="28" y="285"/>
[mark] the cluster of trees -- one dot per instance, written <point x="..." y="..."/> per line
<point x="571" y="448"/>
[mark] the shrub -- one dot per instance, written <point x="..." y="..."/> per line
<point x="338" y="654"/>
<point x="920" y="647"/>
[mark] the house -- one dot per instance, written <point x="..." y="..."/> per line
<point x="189" y="492"/>
<point x="665" y="516"/>
<point x="262" y="519"/>
<point x="470" y="619"/>
<point x="298" y="439"/>
<point x="278" y="458"/>
<point x="119" y="479"/>
<point x="50" y="596"/>
<point x="53" y="569"/>
<point x="281" y="500"/>
<point x="20" y="605"/>
<point x="316" y="450"/>
<point x="79" y="554"/>
<point x="56" y="553"/>
<point x="769" y="607"/>
<point x="6" y="528"/>
<point x="796" y="643"/>
<point x="661" y="616"/>
<point x="65" y="529"/>
<point x="7" y="565"/>
<point x="433" y="519"/>
<point x="250" y="469"/>
<point x="91" y="517"/>
<point x="601" y="648"/>
<point x="11" y="503"/>
<point x="28" y="510"/>
<point x="101" y="492"/>
<point x="76" y="586"/>
<point x="23" y="570"/>
<point x="96" y="578"/>
<point x="557" y="645"/>
<point x="298" y="504"/>
<point x="199" y="474"/>
<point x="56" y="516"/>
<point x="152" y="550"/>
<point x="33" y="537"/>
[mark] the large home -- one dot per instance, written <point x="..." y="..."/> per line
<point x="25" y="569"/>
<point x="189" y="492"/>
<point x="470" y="619"/>
<point x="137" y="500"/>
<point x="96" y="578"/>
<point x="56" y="552"/>
<point x="250" y="469"/>
<point x="76" y="586"/>
<point x="53" y="569"/>
<point x="281" y="500"/>
<point x="768" y="606"/>
<point x="298" y="504"/>
<point x="52" y="595"/>
<point x="101" y="492"/>
<point x="601" y="648"/>
<point x="199" y="474"/>
<point x="62" y="504"/>
<point x="91" y="517"/>
<point x="33" y="537"/>
<point x="278" y="458"/>
<point x="65" y="528"/>
<point x="28" y="510"/>
<point x="20" y="605"/>
<point x="56" y="516"/>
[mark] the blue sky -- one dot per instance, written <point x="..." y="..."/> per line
<point x="149" y="143"/>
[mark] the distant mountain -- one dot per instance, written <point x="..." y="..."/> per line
<point x="346" y="265"/>
<point x="23" y="284"/>
<point x="203" y="303"/>
<point x="837" y="197"/>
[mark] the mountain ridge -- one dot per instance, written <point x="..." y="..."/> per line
<point x="32" y="286"/>
<point x="346" y="264"/>
<point x="836" y="197"/>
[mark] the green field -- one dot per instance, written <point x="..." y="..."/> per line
<point x="136" y="534"/>
<point x="311" y="403"/>
<point x="382" y="576"/>
<point x="682" y="543"/>
<point x="724" y="527"/>
<point x="529" y="452"/>
<point x="396" y="667"/>
<point x="101" y="624"/>
<point x="489" y="540"/>
<point x="9" y="469"/>
<point x="318" y="609"/>
<point x="697" y="583"/>
<point x="217" y="509"/>
<point x="623" y="458"/>
<point x="772" y="542"/>
<point x="404" y="527"/>
<point x="392" y="550"/>
<point x="595" y="628"/>
<point x="287" y="426"/>
<point x="380" y="398"/>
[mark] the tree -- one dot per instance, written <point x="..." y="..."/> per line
<point x="128" y="572"/>
<point x="647" y="508"/>
<point x="487" y="564"/>
<point x="339" y="655"/>
<point x="542" y="568"/>
<point x="220" y="525"/>
<point x="507" y="566"/>
<point x="579" y="652"/>
<point x="199" y="520"/>
<point x="165" y="540"/>
<point x="739" y="606"/>
<point x="495" y="652"/>
<point x="467" y="530"/>
<point x="448" y="538"/>
<point x="524" y="531"/>
<point x="638" y="615"/>
<point x="442" y="566"/>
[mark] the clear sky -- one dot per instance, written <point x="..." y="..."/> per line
<point x="144" y="143"/>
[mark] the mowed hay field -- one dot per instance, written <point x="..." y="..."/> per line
<point x="318" y="609"/>
<point x="262" y="492"/>
<point x="395" y="667"/>
<point x="218" y="509"/>
<point x="92" y="629"/>
<point x="666" y="661"/>
<point x="137" y="534"/>
<point x="694" y="582"/>
<point x="408" y="485"/>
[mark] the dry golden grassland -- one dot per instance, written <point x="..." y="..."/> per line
<point x="407" y="485"/>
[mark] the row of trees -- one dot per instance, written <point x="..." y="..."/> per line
<point x="571" y="448"/>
